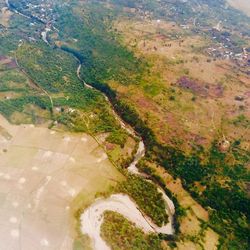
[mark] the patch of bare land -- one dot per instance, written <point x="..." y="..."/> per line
<point x="242" y="5"/>
<point x="42" y="175"/>
<point x="7" y="62"/>
<point x="5" y="15"/>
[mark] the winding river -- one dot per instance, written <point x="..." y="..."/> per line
<point x="92" y="217"/>
<point x="44" y="35"/>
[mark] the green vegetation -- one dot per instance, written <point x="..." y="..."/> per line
<point x="192" y="170"/>
<point x="8" y="107"/>
<point x="242" y="120"/>
<point x="102" y="56"/>
<point x="224" y="191"/>
<point x="12" y="78"/>
<point x="18" y="96"/>
<point x="55" y="72"/>
<point x="8" y="43"/>
<point x="117" y="137"/>
<point x="147" y="198"/>
<point x="144" y="167"/>
<point x="122" y="234"/>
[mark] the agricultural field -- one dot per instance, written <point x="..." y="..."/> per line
<point x="43" y="182"/>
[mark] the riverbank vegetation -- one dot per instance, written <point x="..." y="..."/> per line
<point x="94" y="45"/>
<point x="221" y="177"/>
<point x="118" y="137"/>
<point x="147" y="197"/>
<point x="122" y="234"/>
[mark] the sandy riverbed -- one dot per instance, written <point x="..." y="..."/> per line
<point x="92" y="218"/>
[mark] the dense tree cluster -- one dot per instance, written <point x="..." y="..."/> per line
<point x="147" y="197"/>
<point x="122" y="234"/>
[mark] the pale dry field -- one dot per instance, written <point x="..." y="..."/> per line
<point x="5" y="15"/>
<point x="42" y="173"/>
<point x="243" y="5"/>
